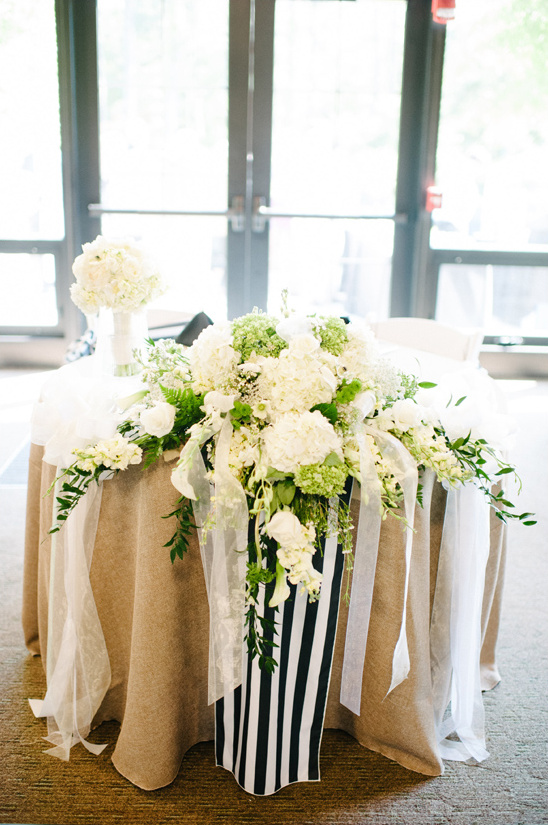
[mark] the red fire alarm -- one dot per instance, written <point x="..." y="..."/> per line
<point x="433" y="198"/>
<point x="443" y="10"/>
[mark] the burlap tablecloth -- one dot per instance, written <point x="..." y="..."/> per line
<point x="155" y="621"/>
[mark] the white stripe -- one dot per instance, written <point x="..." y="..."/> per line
<point x="228" y="725"/>
<point x="330" y="555"/>
<point x="253" y="723"/>
<point x="301" y="600"/>
<point x="270" y="778"/>
<point x="236" y="769"/>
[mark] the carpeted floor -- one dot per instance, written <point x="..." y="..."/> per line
<point x="357" y="786"/>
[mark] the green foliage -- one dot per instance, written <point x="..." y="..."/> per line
<point x="473" y="456"/>
<point x="260" y="630"/>
<point x="178" y="543"/>
<point x="71" y="491"/>
<point x="329" y="411"/>
<point x="188" y="412"/>
<point x="240" y="414"/>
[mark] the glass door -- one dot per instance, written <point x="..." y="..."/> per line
<point x="335" y="126"/>
<point x="163" y="137"/>
<point x="489" y="241"/>
<point x="253" y="146"/>
<point x="31" y="208"/>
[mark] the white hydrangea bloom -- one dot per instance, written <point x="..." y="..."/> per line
<point x="299" y="379"/>
<point x="213" y="359"/>
<point x="296" y="439"/>
<point x="116" y="274"/>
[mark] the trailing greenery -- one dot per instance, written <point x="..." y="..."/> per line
<point x="178" y="543"/>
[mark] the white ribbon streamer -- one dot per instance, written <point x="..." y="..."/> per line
<point x="222" y="530"/>
<point x="455" y="633"/>
<point x="78" y="669"/>
<point x="365" y="562"/>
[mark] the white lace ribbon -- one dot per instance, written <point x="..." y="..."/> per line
<point x="77" y="667"/>
<point x="455" y="632"/>
<point x="365" y="563"/>
<point x="222" y="524"/>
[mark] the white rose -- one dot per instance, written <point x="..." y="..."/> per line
<point x="285" y="528"/>
<point x="406" y="414"/>
<point x="290" y="327"/>
<point x="303" y="344"/>
<point x="215" y="401"/>
<point x="159" y="419"/>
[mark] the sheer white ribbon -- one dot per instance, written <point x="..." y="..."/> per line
<point x="74" y="410"/>
<point x="365" y="563"/>
<point x="455" y="632"/>
<point x="222" y="523"/>
<point x="77" y="668"/>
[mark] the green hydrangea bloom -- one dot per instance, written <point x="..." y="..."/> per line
<point x="332" y="334"/>
<point x="321" y="480"/>
<point x="256" y="332"/>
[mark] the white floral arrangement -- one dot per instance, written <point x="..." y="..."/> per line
<point x="116" y="274"/>
<point x="277" y="413"/>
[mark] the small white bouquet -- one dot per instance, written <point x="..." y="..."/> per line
<point x="115" y="274"/>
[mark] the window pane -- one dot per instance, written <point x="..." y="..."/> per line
<point x="190" y="253"/>
<point x="334" y="267"/>
<point x="493" y="139"/>
<point x="27" y="283"/>
<point x="163" y="91"/>
<point x="31" y="206"/>
<point x="336" y="105"/>
<point x="504" y="300"/>
<point x="163" y="78"/>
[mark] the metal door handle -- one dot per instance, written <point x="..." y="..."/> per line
<point x="235" y="214"/>
<point x="263" y="213"/>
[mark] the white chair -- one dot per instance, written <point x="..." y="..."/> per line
<point x="431" y="336"/>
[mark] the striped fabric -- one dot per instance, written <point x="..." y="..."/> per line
<point x="268" y="731"/>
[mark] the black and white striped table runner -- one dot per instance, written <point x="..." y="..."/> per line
<point x="268" y="731"/>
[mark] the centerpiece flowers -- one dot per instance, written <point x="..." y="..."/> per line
<point x="271" y="420"/>
<point x="117" y="277"/>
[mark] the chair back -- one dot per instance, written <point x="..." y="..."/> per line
<point x="431" y="336"/>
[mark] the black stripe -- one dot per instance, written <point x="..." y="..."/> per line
<point x="263" y="722"/>
<point x="243" y="749"/>
<point x="237" y="715"/>
<point x="325" y="669"/>
<point x="327" y="657"/>
<point x="219" y="731"/>
<point x="289" y="607"/>
<point x="309" y="626"/>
